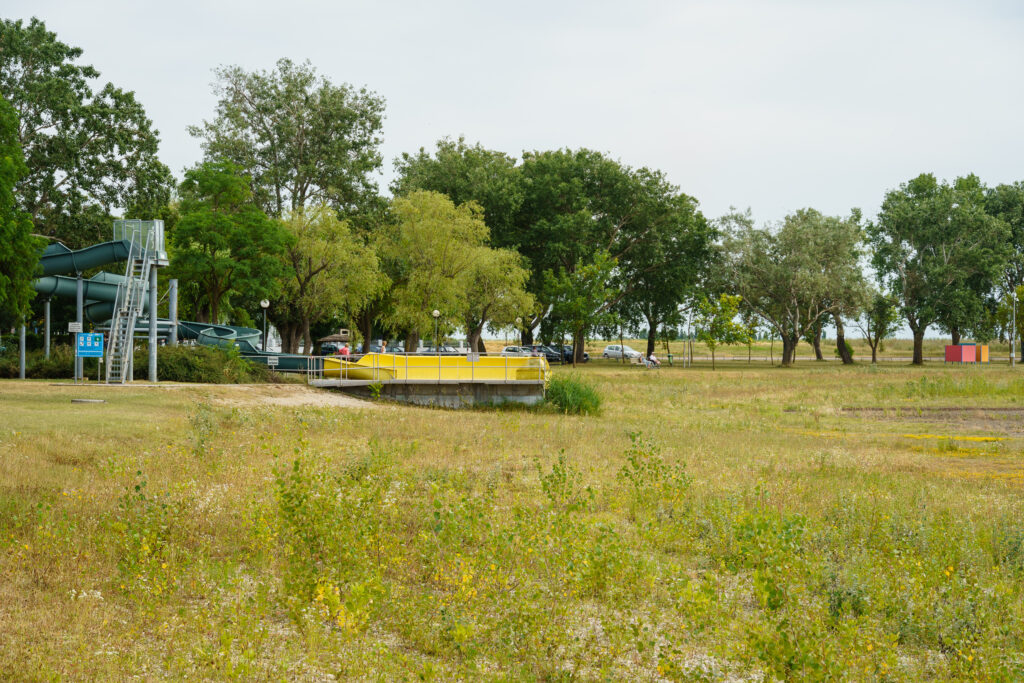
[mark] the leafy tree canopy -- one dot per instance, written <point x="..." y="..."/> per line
<point x="428" y="251"/>
<point x="223" y="243"/>
<point x="716" y="323"/>
<point x="19" y="250"/>
<point x="794" y="275"/>
<point x="938" y="250"/>
<point x="466" y="173"/>
<point x="83" y="147"/>
<point x="299" y="138"/>
<point x="495" y="292"/>
<point x="329" y="273"/>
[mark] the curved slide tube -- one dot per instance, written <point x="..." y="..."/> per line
<point x="100" y="292"/>
<point x="59" y="260"/>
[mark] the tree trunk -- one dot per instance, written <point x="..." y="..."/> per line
<point x="955" y="333"/>
<point x="789" y="349"/>
<point x="771" y="350"/>
<point x="365" y="324"/>
<point x="919" y="346"/>
<point x="473" y="339"/>
<point x="412" y="342"/>
<point x="816" y="343"/>
<point x="526" y="337"/>
<point x="712" y="358"/>
<point x="622" y="351"/>
<point x="292" y="339"/>
<point x="652" y="338"/>
<point x="844" y="353"/>
<point x="577" y="349"/>
<point x="307" y="338"/>
<point x="874" y="352"/>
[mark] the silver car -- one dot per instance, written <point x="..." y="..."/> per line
<point x="616" y="351"/>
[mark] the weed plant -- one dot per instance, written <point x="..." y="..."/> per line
<point x="573" y="395"/>
<point x="806" y="524"/>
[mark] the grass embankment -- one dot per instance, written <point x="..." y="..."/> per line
<point x="808" y="523"/>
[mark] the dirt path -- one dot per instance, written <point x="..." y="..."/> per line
<point x="292" y="395"/>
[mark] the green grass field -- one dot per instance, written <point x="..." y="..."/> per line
<point x="751" y="523"/>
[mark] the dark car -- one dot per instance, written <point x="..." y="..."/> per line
<point x="549" y="353"/>
<point x="567" y="354"/>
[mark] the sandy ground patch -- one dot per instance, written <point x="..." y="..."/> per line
<point x="291" y="395"/>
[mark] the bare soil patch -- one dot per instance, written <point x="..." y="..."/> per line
<point x="1008" y="421"/>
<point x="289" y="395"/>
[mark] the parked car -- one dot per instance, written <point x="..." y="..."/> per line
<point x="515" y="351"/>
<point x="616" y="351"/>
<point x="567" y="354"/>
<point x="549" y="353"/>
<point x="441" y="350"/>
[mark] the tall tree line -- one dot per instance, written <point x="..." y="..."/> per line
<point x="556" y="243"/>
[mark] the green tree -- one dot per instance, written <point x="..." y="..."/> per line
<point x="668" y="259"/>
<point x="716" y="323"/>
<point x="466" y="173"/>
<point x="575" y="204"/>
<point x="495" y="292"/>
<point x="19" y="253"/>
<point x="579" y="297"/>
<point x="938" y="250"/>
<point x="299" y="138"/>
<point x="794" y="276"/>
<point x="85" y="150"/>
<point x="579" y="203"/>
<point x="223" y="243"/>
<point x="429" y="251"/>
<point x="329" y="273"/>
<point x="878" y="320"/>
<point x="1006" y="203"/>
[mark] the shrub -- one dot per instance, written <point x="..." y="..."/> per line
<point x="849" y="349"/>
<point x="60" y="364"/>
<point x="571" y="395"/>
<point x="207" y="364"/>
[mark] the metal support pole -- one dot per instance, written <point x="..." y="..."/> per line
<point x="46" y="329"/>
<point x="264" y="330"/>
<point x="79" y="305"/>
<point x="21" y="351"/>
<point x="172" y="310"/>
<point x="152" y="323"/>
<point x="1013" y="334"/>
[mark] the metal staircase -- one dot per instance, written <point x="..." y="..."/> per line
<point x="131" y="297"/>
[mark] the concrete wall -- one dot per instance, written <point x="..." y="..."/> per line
<point x="455" y="395"/>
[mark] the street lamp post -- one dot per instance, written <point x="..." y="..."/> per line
<point x="264" y="304"/>
<point x="437" y="314"/>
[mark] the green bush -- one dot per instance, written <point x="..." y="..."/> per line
<point x="849" y="349"/>
<point x="205" y="364"/>
<point x="573" y="396"/>
<point x="60" y="364"/>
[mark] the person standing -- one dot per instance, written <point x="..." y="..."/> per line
<point x="384" y="346"/>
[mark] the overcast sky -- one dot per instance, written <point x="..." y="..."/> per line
<point x="771" y="105"/>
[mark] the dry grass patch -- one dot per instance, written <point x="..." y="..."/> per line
<point x="744" y="523"/>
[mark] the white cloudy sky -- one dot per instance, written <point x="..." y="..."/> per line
<point x="774" y="105"/>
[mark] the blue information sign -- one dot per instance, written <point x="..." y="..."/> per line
<point x="89" y="345"/>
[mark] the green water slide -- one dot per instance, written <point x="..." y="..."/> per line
<point x="100" y="294"/>
<point x="59" y="260"/>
